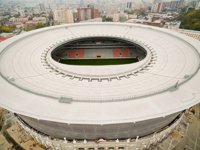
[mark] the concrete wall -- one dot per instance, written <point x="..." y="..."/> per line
<point x="110" y="131"/>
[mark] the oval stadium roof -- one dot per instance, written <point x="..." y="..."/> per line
<point x="165" y="82"/>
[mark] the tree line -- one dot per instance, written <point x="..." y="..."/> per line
<point x="190" y="20"/>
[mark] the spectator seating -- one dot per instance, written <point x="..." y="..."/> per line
<point x="122" y="52"/>
<point x="75" y="53"/>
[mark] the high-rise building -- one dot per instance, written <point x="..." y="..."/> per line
<point x="42" y="7"/>
<point x="198" y="5"/>
<point x="157" y="7"/>
<point x="87" y="13"/>
<point x="157" y="1"/>
<point x="129" y="5"/>
<point x="63" y="16"/>
<point x="174" y="4"/>
<point x="181" y="3"/>
<point x="81" y="3"/>
<point x="134" y="5"/>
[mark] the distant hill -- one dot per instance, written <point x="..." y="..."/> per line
<point x="190" y="20"/>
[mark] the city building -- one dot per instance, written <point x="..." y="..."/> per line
<point x="13" y="19"/>
<point x="157" y="1"/>
<point x="40" y="19"/>
<point x="93" y="20"/>
<point x="198" y="5"/>
<point x="134" y="5"/>
<point x="87" y="13"/>
<point x="63" y="16"/>
<point x="174" y="5"/>
<point x="129" y="5"/>
<point x="66" y="85"/>
<point x="158" y="7"/>
<point x="115" y="17"/>
<point x="42" y="7"/>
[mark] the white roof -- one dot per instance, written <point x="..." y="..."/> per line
<point x="33" y="84"/>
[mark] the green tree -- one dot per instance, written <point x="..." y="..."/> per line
<point x="107" y="19"/>
<point x="40" y="25"/>
<point x="7" y="29"/>
<point x="190" y="20"/>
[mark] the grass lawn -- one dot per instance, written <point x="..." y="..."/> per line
<point x="100" y="61"/>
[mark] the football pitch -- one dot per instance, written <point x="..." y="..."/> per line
<point x="99" y="61"/>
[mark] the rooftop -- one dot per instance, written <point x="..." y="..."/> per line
<point x="164" y="82"/>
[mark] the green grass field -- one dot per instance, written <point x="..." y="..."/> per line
<point x="96" y="62"/>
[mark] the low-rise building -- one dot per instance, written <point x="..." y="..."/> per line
<point x="13" y="19"/>
<point x="40" y="19"/>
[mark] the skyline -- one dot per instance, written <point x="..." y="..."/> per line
<point x="150" y="1"/>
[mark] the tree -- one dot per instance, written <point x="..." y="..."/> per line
<point x="190" y="20"/>
<point x="7" y="29"/>
<point x="107" y="19"/>
<point x="29" y="27"/>
<point x="40" y="25"/>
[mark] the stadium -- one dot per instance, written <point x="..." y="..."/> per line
<point x="99" y="80"/>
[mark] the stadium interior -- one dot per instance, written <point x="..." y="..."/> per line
<point x="98" y="51"/>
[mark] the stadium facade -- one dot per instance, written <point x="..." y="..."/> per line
<point x="43" y="79"/>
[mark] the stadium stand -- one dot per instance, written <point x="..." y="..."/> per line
<point x="122" y="53"/>
<point x="75" y="53"/>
